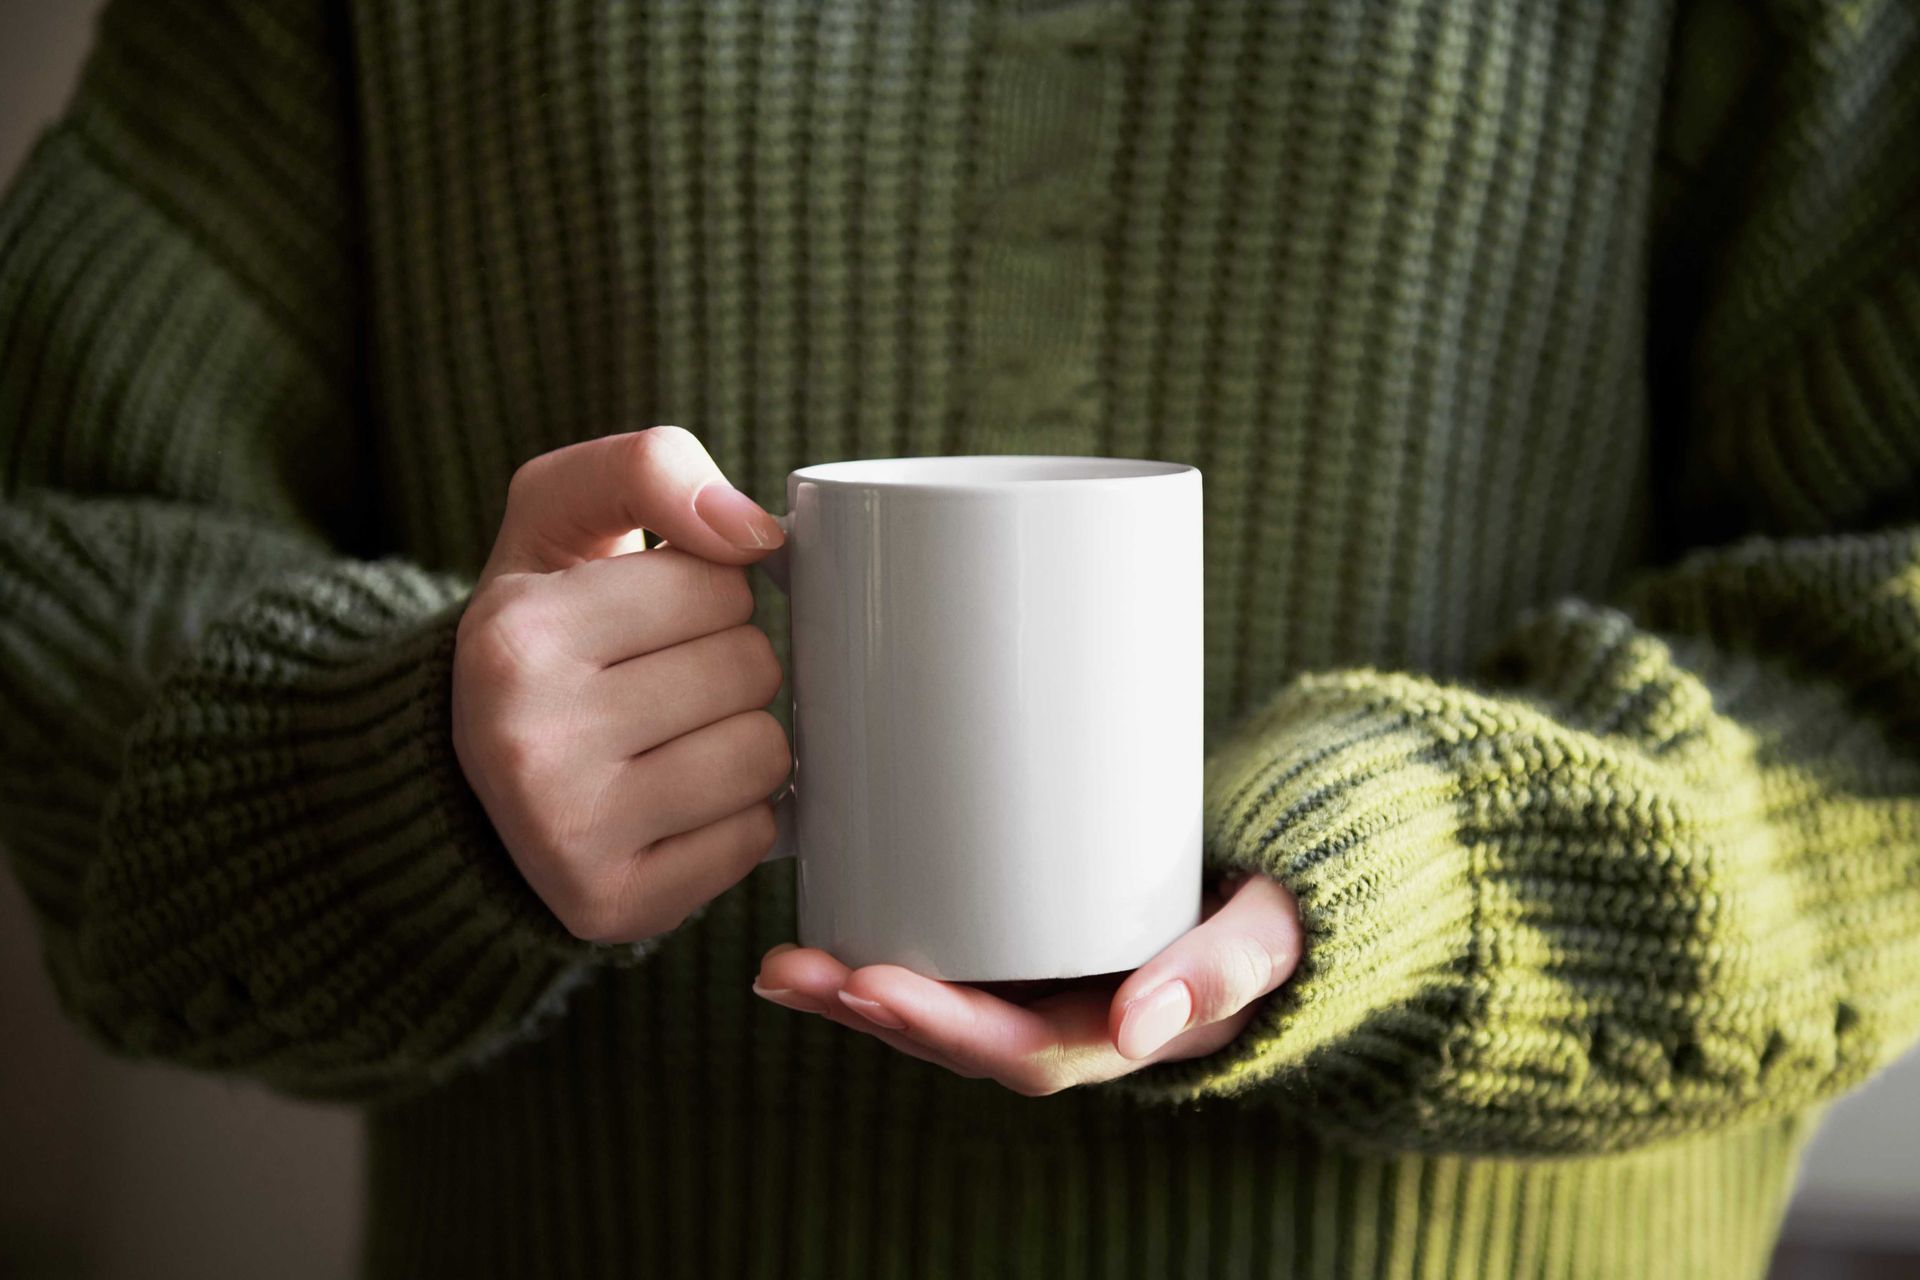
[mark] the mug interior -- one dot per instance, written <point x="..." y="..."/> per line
<point x="983" y="470"/>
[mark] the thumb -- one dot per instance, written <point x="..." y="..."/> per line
<point x="579" y="502"/>
<point x="1213" y="971"/>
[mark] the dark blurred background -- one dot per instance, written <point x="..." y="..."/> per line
<point x="110" y="1170"/>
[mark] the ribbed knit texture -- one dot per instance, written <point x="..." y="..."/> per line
<point x="1555" y="375"/>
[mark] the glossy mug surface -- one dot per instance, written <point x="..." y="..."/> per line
<point x="997" y="673"/>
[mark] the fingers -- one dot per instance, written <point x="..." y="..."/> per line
<point x="627" y="605"/>
<point x="699" y="777"/>
<point x="1216" y="974"/>
<point x="1213" y="972"/>
<point x="654" y="892"/>
<point x="646" y="701"/>
<point x="809" y="981"/>
<point x="579" y="503"/>
<point x="1055" y="1043"/>
<point x="593" y="779"/>
<point x="632" y="857"/>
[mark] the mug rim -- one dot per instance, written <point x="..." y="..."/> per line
<point x="947" y="472"/>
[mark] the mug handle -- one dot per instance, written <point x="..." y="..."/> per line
<point x="786" y="839"/>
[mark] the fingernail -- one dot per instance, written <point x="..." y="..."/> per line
<point x="1154" y="1018"/>
<point x="736" y="517"/>
<point x="872" y="1011"/>
<point x="786" y="996"/>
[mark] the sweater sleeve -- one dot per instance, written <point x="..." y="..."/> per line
<point x="227" y="783"/>
<point x="1655" y="869"/>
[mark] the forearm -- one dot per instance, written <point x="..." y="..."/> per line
<point x="226" y="778"/>
<point x="1658" y="873"/>
<point x="256" y="852"/>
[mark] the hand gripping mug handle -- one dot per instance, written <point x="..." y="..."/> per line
<point x="786" y="839"/>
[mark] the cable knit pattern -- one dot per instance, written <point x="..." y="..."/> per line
<point x="1552" y="369"/>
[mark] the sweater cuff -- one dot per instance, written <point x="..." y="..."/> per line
<point x="294" y="850"/>
<point x="1339" y="789"/>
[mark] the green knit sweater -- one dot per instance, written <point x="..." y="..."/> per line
<point x="1555" y="374"/>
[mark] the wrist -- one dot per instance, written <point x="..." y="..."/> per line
<point x="1342" y="789"/>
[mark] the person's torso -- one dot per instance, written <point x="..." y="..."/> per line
<point x="1377" y="270"/>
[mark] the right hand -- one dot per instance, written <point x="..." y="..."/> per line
<point x="608" y="702"/>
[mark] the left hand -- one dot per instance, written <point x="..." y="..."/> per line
<point x="1037" y="1038"/>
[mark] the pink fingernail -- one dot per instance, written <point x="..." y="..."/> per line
<point x="1154" y="1018"/>
<point x="736" y="517"/>
<point x="873" y="1011"/>
<point x="785" y="996"/>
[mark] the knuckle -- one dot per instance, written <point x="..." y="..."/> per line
<point x="527" y="479"/>
<point x="652" y="446"/>
<point x="769" y="747"/>
<point x="759" y="661"/>
<point x="665" y="435"/>
<point x="481" y="663"/>
<point x="771" y="674"/>
<point x="589" y="917"/>
<point x="492" y="728"/>
<point x="762" y="828"/>
<point x="595" y="907"/>
<point x="515" y="633"/>
<point x="518" y="751"/>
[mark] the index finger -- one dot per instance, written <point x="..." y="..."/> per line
<point x="577" y="503"/>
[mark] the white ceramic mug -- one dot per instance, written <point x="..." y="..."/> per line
<point x="997" y="673"/>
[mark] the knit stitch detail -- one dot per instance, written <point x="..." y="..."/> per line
<point x="1474" y="317"/>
